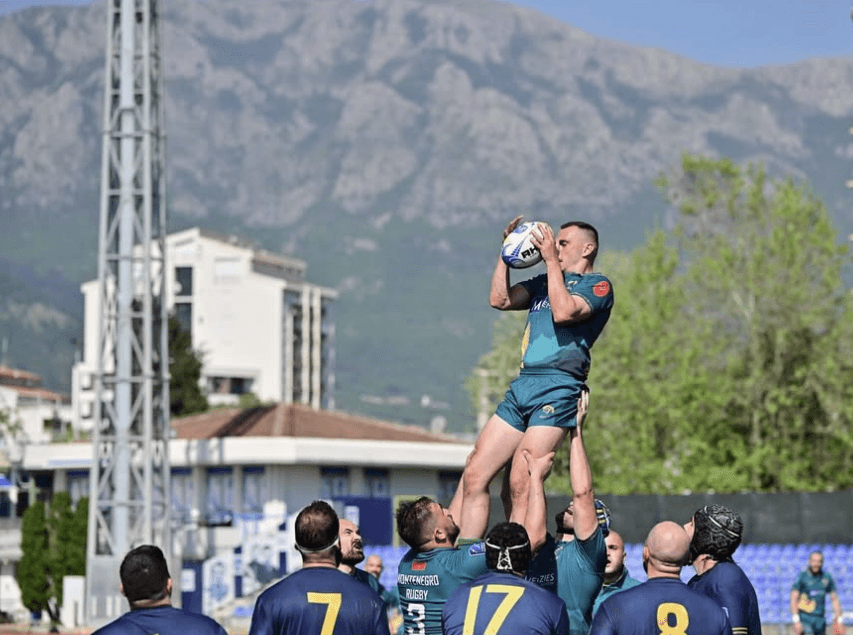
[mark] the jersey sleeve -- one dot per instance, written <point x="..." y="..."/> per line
<point x="597" y="290"/>
<point x="562" y="627"/>
<point x="602" y="623"/>
<point x="471" y="560"/>
<point x="798" y="583"/>
<point x="261" y="622"/>
<point x="536" y="285"/>
<point x="735" y="602"/>
<point x="593" y="551"/>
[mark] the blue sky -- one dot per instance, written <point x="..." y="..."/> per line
<point x="739" y="33"/>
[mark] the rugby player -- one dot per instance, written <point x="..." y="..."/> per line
<point x="568" y="307"/>
<point x="808" y="599"/>
<point x="147" y="585"/>
<point x="318" y="598"/>
<point x="502" y="600"/>
<point x="715" y="533"/>
<point x="663" y="605"/>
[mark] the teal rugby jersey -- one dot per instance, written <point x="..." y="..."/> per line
<point x="425" y="580"/>
<point x="813" y="590"/>
<point x="549" y="346"/>
<point x="574" y="571"/>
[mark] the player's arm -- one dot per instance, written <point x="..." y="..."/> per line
<point x="580" y="474"/>
<point x="736" y="606"/>
<point x="795" y="610"/>
<point x="836" y="607"/>
<point x="565" y="307"/>
<point x="535" y="520"/>
<point x="503" y="295"/>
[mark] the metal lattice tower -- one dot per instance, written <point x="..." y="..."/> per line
<point x="129" y="479"/>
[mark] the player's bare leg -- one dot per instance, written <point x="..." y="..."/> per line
<point x="494" y="447"/>
<point x="538" y="441"/>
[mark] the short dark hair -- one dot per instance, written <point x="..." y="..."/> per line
<point x="508" y="548"/>
<point x="316" y="527"/>
<point x="144" y="574"/>
<point x="592" y="231"/>
<point x="410" y="521"/>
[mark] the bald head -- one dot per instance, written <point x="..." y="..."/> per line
<point x="666" y="550"/>
<point x="373" y="565"/>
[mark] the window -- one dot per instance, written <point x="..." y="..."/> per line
<point x="254" y="490"/>
<point x="78" y="485"/>
<point x="447" y="483"/>
<point x="183" y="492"/>
<point x="377" y="483"/>
<point x="335" y="482"/>
<point x="184" y="315"/>
<point x="183" y="281"/>
<point x="220" y="508"/>
<point x="230" y="385"/>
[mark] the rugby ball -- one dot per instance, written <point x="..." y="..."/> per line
<point x="518" y="250"/>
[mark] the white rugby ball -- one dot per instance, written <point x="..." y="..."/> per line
<point x="518" y="250"/>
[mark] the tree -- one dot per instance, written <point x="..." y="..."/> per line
<point x="53" y="545"/>
<point x="726" y="364"/>
<point x="765" y="266"/>
<point x="33" y="569"/>
<point x="185" y="394"/>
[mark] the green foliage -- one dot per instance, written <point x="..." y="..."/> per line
<point x="727" y="364"/>
<point x="185" y="394"/>
<point x="32" y="572"/>
<point x="53" y="545"/>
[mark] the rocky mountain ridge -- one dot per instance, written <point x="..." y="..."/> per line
<point x="387" y="142"/>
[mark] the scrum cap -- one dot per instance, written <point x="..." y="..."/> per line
<point x="717" y="532"/>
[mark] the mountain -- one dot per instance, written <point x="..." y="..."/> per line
<point x="388" y="142"/>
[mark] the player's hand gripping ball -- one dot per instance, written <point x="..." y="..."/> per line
<point x="518" y="250"/>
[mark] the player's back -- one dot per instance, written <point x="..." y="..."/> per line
<point x="426" y="579"/>
<point x="319" y="600"/>
<point x="506" y="604"/>
<point x="165" y="620"/>
<point x="728" y="586"/>
<point x="660" y="606"/>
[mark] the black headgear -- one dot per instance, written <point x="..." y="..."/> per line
<point x="717" y="532"/>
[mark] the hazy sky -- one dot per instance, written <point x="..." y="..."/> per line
<point x="739" y="33"/>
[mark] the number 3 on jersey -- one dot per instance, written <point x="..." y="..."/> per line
<point x="682" y="619"/>
<point x="417" y="612"/>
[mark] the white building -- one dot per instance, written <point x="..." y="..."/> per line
<point x="259" y="325"/>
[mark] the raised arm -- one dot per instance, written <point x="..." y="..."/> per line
<point x="580" y="474"/>
<point x="535" y="521"/>
<point x="502" y="295"/>
<point x="565" y="307"/>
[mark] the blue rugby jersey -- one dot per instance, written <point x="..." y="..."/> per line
<point x="164" y="620"/>
<point x="660" y="606"/>
<point x="728" y="586"/>
<point x="573" y="570"/>
<point x="504" y="603"/>
<point x="319" y="600"/>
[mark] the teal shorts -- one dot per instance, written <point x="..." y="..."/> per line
<point x="547" y="399"/>
<point x="813" y="624"/>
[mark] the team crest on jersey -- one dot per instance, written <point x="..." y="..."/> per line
<point x="601" y="289"/>
<point x="419" y="565"/>
<point x="825" y="581"/>
<point x="477" y="549"/>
